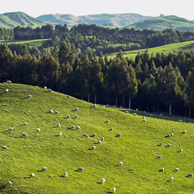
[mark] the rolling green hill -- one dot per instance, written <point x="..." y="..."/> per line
<point x="166" y="49"/>
<point x="112" y="20"/>
<point x="138" y="147"/>
<point x="13" y="19"/>
<point x="163" y="22"/>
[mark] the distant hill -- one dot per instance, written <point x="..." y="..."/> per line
<point x="112" y="20"/>
<point x="163" y="22"/>
<point x="13" y="19"/>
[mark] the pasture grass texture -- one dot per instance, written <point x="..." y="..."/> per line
<point x="137" y="147"/>
<point x="166" y="49"/>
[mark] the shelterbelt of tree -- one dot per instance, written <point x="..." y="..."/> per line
<point x="138" y="147"/>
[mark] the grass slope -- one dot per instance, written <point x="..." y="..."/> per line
<point x="108" y="20"/>
<point x="13" y="19"/>
<point x="136" y="148"/>
<point x="166" y="49"/>
<point x="161" y="23"/>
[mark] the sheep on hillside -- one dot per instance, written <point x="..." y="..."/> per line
<point x="108" y="121"/>
<point x="95" y="105"/>
<point x="68" y="96"/>
<point x="184" y="131"/>
<point x="65" y="174"/>
<point x="10" y="129"/>
<point x="24" y="135"/>
<point x="181" y="150"/>
<point x="118" y="135"/>
<point x="80" y="169"/>
<point x="4" y="147"/>
<point x="126" y="111"/>
<point x="72" y="126"/>
<point x="168" y="145"/>
<point x="60" y="133"/>
<point x="162" y="169"/>
<point x="94" y="135"/>
<point x="49" y="90"/>
<point x="68" y="116"/>
<point x="99" y="141"/>
<point x="7" y="90"/>
<point x="172" y="134"/>
<point x="78" y="127"/>
<point x="93" y="147"/>
<point x="176" y="169"/>
<point x="102" y="139"/>
<point x="29" y="96"/>
<point x="8" y="82"/>
<point x="51" y="111"/>
<point x="25" y="123"/>
<point x="161" y="143"/>
<point x="180" y="120"/>
<point x="58" y="125"/>
<point x="4" y="104"/>
<point x="45" y="87"/>
<point x="85" y="135"/>
<point x="111" y="129"/>
<point x="134" y="114"/>
<point x="113" y="190"/>
<point x="76" y="109"/>
<point x="189" y="175"/>
<point x="120" y="163"/>
<point x="75" y="117"/>
<point x="44" y="169"/>
<point x="56" y="112"/>
<point x="102" y="181"/>
<point x="159" y="156"/>
<point x="38" y="130"/>
<point x="171" y="179"/>
<point x="32" y="175"/>
<point x="144" y="120"/>
<point x="9" y="183"/>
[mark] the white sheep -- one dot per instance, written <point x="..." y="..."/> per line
<point x="25" y="123"/>
<point x="80" y="169"/>
<point x="29" y="96"/>
<point x="161" y="143"/>
<point x="143" y="117"/>
<point x="103" y="106"/>
<point x="4" y="147"/>
<point x="49" y="90"/>
<point x="93" y="147"/>
<point x="171" y="179"/>
<point x="134" y="114"/>
<point x="32" y="175"/>
<point x="7" y="90"/>
<point x="102" y="181"/>
<point x="95" y="105"/>
<point x="58" y="125"/>
<point x="118" y="135"/>
<point x="181" y="150"/>
<point x="24" y="135"/>
<point x="76" y="109"/>
<point x="111" y="129"/>
<point x="120" y="163"/>
<point x="180" y="120"/>
<point x="65" y="174"/>
<point x="78" y="127"/>
<point x="44" y="169"/>
<point x="56" y="112"/>
<point x="189" y="175"/>
<point x="10" y="129"/>
<point x="144" y="120"/>
<point x="4" y="104"/>
<point x="94" y="135"/>
<point x="168" y="135"/>
<point x="8" y="82"/>
<point x="75" y="117"/>
<point x="51" y="111"/>
<point x="99" y="141"/>
<point x="176" y="169"/>
<point x="172" y="134"/>
<point x="136" y="109"/>
<point x="45" y="87"/>
<point x="38" y="130"/>
<point x="68" y="116"/>
<point x="85" y="135"/>
<point x="159" y="156"/>
<point x="102" y="139"/>
<point x="168" y="145"/>
<point x="60" y="133"/>
<point x="184" y="131"/>
<point x="162" y="169"/>
<point x="72" y="126"/>
<point x="114" y="189"/>
<point x="108" y="121"/>
<point x="126" y="111"/>
<point x="9" y="183"/>
<point x="68" y="96"/>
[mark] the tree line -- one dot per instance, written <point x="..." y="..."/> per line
<point x="161" y="83"/>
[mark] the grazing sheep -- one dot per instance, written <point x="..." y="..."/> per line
<point x="134" y="114"/>
<point x="95" y="105"/>
<point x="60" y="133"/>
<point x="38" y="130"/>
<point x="75" y="117"/>
<point x="24" y="123"/>
<point x="32" y="175"/>
<point x="93" y="147"/>
<point x="143" y="117"/>
<point x="176" y="169"/>
<point x="7" y="90"/>
<point x="118" y="135"/>
<point x="181" y="150"/>
<point x="58" y="125"/>
<point x="171" y="179"/>
<point x="94" y="135"/>
<point x="107" y="121"/>
<point x="126" y="111"/>
<point x="102" y="181"/>
<point x="72" y="126"/>
<point x="45" y="87"/>
<point x="68" y="116"/>
<point x="78" y="127"/>
<point x="10" y="129"/>
<point x="76" y="109"/>
<point x="56" y="112"/>
<point x="9" y="183"/>
<point x="99" y="141"/>
<point x="114" y="189"/>
<point x="65" y="174"/>
<point x="49" y="90"/>
<point x="8" y="82"/>
<point x="189" y="175"/>
<point x="44" y="169"/>
<point x="111" y="129"/>
<point x="51" y="111"/>
<point x="168" y="135"/>
<point x="29" y="96"/>
<point x="103" y="106"/>
<point x="144" y="120"/>
<point x="120" y="163"/>
<point x="159" y="156"/>
<point x="172" y="134"/>
<point x="161" y="143"/>
<point x="85" y="135"/>
<point x="80" y="169"/>
<point x="180" y="120"/>
<point x="102" y="139"/>
<point x="68" y="96"/>
<point x="168" y="145"/>
<point x="24" y="135"/>
<point x="162" y="169"/>
<point x="184" y="131"/>
<point x="4" y="147"/>
<point x="4" y="104"/>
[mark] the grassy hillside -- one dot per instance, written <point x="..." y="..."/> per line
<point x="137" y="147"/>
<point x="13" y="19"/>
<point x="161" y="23"/>
<point x="31" y="43"/>
<point x="109" y="20"/>
<point x="176" y="47"/>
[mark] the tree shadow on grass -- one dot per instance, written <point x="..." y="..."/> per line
<point x="98" y="182"/>
<point x="27" y="177"/>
